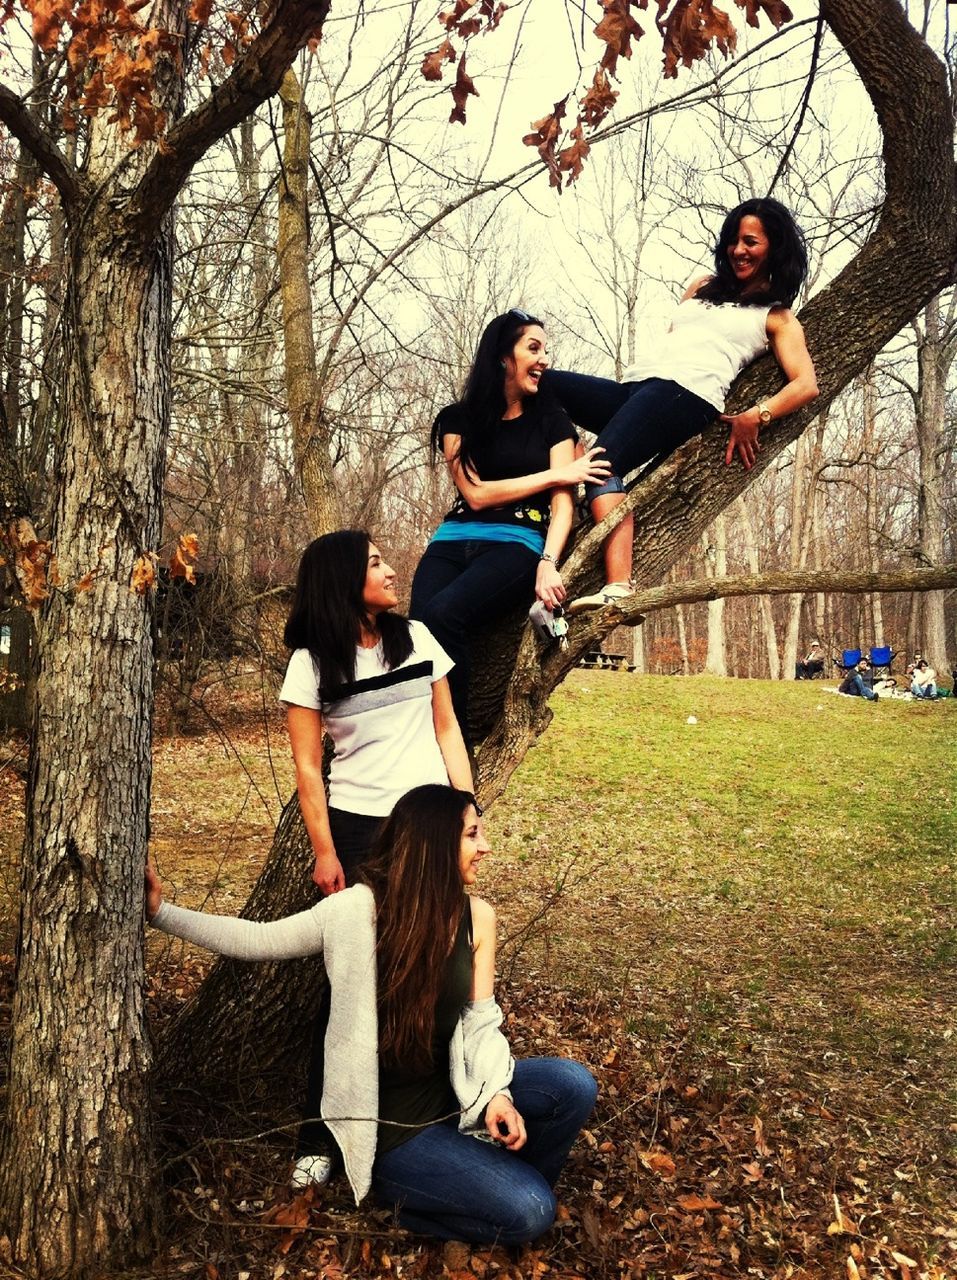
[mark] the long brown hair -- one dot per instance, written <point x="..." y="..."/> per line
<point x="328" y="613"/>
<point x="413" y="872"/>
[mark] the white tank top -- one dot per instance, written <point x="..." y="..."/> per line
<point x="705" y="348"/>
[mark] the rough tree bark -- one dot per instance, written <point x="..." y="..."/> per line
<point x="764" y="605"/>
<point x="303" y="390"/>
<point x="716" y="557"/>
<point x="909" y="257"/>
<point x="936" y="349"/>
<point x="77" y="1180"/>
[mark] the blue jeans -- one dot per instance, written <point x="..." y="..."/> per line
<point x="453" y="1186"/>
<point x="634" y="421"/>
<point x="923" y="690"/>
<point x="861" y="688"/>
<point x="461" y="586"/>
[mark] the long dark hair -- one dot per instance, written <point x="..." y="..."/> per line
<point x="413" y="872"/>
<point x="328" y="613"/>
<point x="787" y="258"/>
<point x="479" y="411"/>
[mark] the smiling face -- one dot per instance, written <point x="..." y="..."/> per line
<point x="525" y="364"/>
<point x="473" y="846"/>
<point x="748" y="253"/>
<point x="379" y="592"/>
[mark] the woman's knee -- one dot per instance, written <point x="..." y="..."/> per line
<point x="582" y="1086"/>
<point x="612" y="485"/>
<point x="572" y="1085"/>
<point x="533" y="1211"/>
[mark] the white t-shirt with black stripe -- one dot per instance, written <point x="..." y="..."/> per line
<point x="381" y="725"/>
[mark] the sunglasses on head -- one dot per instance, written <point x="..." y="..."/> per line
<point x="521" y="315"/>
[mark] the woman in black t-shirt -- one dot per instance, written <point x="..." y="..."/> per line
<point x="510" y="449"/>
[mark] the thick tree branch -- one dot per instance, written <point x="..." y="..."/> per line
<point x="633" y="609"/>
<point x="908" y="259"/>
<point x="25" y="127"/>
<point x="255" y="77"/>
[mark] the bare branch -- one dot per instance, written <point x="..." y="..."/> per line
<point x="25" y="127"/>
<point x="805" y="581"/>
<point x="255" y="77"/>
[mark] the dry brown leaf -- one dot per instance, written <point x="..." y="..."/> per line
<point x="36" y="570"/>
<point x="617" y="29"/>
<point x="592" y="1224"/>
<point x="690" y="29"/>
<point x="200" y="11"/>
<point x="144" y="574"/>
<point x="461" y="90"/>
<point x="545" y="139"/>
<point x="182" y="561"/>
<point x="571" y="159"/>
<point x="760" y="1143"/>
<point x="432" y="62"/>
<point x="48" y="19"/>
<point x="776" y="10"/>
<point x="902" y="1259"/>
<point x="658" y="1162"/>
<point x="695" y="1204"/>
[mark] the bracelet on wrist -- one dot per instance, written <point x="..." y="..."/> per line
<point x="550" y="558"/>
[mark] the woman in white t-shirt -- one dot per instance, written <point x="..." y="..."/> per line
<point x="722" y="323"/>
<point x="377" y="684"/>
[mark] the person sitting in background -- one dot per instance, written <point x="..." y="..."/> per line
<point x="924" y="683"/>
<point x="812" y="665"/>
<point x="853" y="682"/>
<point x="912" y="666"/>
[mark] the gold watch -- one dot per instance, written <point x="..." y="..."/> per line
<point x="764" y="413"/>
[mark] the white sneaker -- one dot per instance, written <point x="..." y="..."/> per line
<point x="610" y="593"/>
<point x="311" y="1171"/>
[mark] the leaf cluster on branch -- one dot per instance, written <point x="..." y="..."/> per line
<point x="689" y="29"/>
<point x="112" y="59"/>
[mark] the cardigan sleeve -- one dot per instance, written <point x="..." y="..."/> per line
<point x="298" y="935"/>
<point x="480" y="1061"/>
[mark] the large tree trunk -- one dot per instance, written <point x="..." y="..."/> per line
<point x="716" y="558"/>
<point x="75" y="1181"/>
<point x="78" y="1187"/>
<point x="935" y="355"/>
<point x="766" y="613"/>
<point x="303" y="389"/>
<point x="872" y="630"/>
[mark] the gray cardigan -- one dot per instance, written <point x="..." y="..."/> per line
<point x="342" y="928"/>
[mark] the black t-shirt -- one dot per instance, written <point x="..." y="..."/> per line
<point x="515" y="447"/>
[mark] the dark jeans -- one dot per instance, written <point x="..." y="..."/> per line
<point x="353" y="835"/>
<point x="461" y="586"/>
<point x="634" y="421"/>
<point x="456" y="1187"/>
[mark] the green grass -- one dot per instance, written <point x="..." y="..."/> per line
<point x="781" y="871"/>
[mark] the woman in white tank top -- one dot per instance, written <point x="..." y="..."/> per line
<point x="722" y="323"/>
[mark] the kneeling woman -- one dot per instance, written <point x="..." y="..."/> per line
<point x="511" y="452"/>
<point x="421" y="1092"/>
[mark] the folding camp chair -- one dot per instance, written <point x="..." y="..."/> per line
<point x="881" y="658"/>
